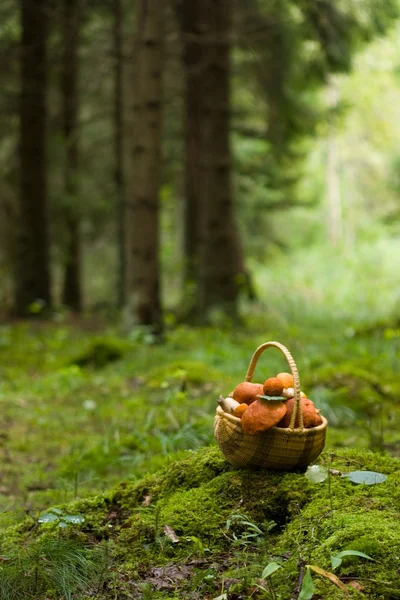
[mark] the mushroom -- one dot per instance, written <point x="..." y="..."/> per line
<point x="287" y="379"/>
<point x="318" y="417"/>
<point x="311" y="418"/>
<point x="239" y="410"/>
<point x="227" y="404"/>
<point x="247" y="392"/>
<point x="289" y="393"/>
<point x="273" y="387"/>
<point x="262" y="415"/>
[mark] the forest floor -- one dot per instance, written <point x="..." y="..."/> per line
<point x="83" y="409"/>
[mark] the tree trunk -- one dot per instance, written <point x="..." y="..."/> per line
<point x="194" y="62"/>
<point x="32" y="274"/>
<point x="119" y="148"/>
<point x="146" y="166"/>
<point x="72" y="293"/>
<point x="218" y="287"/>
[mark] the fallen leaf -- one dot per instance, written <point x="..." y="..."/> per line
<point x="169" y="532"/>
<point x="332" y="578"/>
<point x="169" y="577"/>
<point x="356" y="585"/>
<point x="316" y="474"/>
<point x="335" y="472"/>
<point x="365" y="477"/>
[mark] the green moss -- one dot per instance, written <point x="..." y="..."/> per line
<point x="197" y="496"/>
<point x="183" y="371"/>
<point x="100" y="352"/>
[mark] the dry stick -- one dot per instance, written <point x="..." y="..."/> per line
<point x="302" y="563"/>
<point x="331" y="455"/>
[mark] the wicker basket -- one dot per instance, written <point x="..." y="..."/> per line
<point x="278" y="448"/>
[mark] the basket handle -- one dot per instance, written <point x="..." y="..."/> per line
<point x="296" y="380"/>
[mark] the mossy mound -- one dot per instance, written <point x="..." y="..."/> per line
<point x="200" y="529"/>
<point x="100" y="352"/>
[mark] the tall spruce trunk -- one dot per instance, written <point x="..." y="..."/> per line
<point x="119" y="147"/>
<point x="72" y="291"/>
<point x="218" y="252"/>
<point x="194" y="63"/>
<point x="143" y="204"/>
<point x="32" y="268"/>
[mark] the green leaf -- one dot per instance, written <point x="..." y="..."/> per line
<point x="75" y="519"/>
<point x="307" y="587"/>
<point x="56" y="511"/>
<point x="272" y="398"/>
<point x="366" y="477"/>
<point x="316" y="474"/>
<point x="63" y="524"/>
<point x="337" y="559"/>
<point x="269" y="569"/>
<point x="48" y="518"/>
<point x="252" y="526"/>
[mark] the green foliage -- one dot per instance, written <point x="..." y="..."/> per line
<point x="51" y="568"/>
<point x="337" y="559"/>
<point x="55" y="515"/>
<point x="307" y="587"/>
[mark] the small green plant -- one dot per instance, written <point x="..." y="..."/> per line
<point x="307" y="587"/>
<point x="247" y="532"/>
<point x="266" y="576"/>
<point x="337" y="559"/>
<point x="200" y="549"/>
<point x="55" y="515"/>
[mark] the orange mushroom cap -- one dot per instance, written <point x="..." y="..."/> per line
<point x="247" y="392"/>
<point x="262" y="415"/>
<point x="273" y="387"/>
<point x="287" y="379"/>
<point x="311" y="418"/>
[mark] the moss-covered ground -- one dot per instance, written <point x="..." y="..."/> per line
<point x="200" y="529"/>
<point x="119" y="430"/>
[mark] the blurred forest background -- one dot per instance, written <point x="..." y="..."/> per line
<point x="181" y="160"/>
<point x="181" y="181"/>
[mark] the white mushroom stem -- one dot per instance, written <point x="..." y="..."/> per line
<point x="288" y="393"/>
<point x="227" y="404"/>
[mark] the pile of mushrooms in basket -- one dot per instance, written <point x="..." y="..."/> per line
<point x="261" y="406"/>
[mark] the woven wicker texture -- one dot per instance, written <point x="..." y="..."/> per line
<point x="278" y="448"/>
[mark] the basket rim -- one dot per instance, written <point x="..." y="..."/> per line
<point x="236" y="421"/>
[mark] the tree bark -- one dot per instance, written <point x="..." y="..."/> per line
<point x="119" y="148"/>
<point x="72" y="292"/>
<point x="194" y="62"/>
<point x="144" y="298"/>
<point x="32" y="273"/>
<point x="218" y="287"/>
